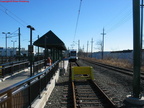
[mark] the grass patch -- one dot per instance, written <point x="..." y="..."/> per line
<point x="117" y="62"/>
<point x="114" y="62"/>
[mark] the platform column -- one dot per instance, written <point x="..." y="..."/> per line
<point x="54" y="55"/>
<point x="58" y="54"/>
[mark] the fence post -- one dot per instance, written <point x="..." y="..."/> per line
<point x="10" y="99"/>
<point x="29" y="94"/>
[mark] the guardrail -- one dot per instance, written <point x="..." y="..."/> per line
<point x="38" y="65"/>
<point x="12" y="67"/>
<point x="24" y="93"/>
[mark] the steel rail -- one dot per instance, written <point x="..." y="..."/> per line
<point x="110" y="103"/>
<point x="114" y="68"/>
<point x="74" y="95"/>
<point x="96" y="89"/>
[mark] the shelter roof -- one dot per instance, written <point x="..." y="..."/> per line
<point x="50" y="40"/>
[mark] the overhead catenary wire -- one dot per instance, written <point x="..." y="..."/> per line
<point x="77" y="19"/>
<point x="15" y="17"/>
<point x="123" y="16"/>
<point x="123" y="20"/>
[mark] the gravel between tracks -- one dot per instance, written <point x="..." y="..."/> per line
<point x="54" y="100"/>
<point x="118" y="85"/>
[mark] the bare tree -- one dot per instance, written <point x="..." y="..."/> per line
<point x="99" y="45"/>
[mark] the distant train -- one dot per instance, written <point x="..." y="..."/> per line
<point x="73" y="55"/>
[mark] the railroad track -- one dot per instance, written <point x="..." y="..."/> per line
<point x="67" y="98"/>
<point x="87" y="94"/>
<point x="114" y="68"/>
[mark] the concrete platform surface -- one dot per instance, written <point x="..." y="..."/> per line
<point x="12" y="79"/>
<point x="22" y="75"/>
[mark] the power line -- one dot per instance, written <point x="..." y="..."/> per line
<point x="123" y="20"/>
<point x="13" y="16"/>
<point x="77" y="19"/>
<point x="124" y="15"/>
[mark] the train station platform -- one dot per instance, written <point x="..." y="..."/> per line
<point x="9" y="80"/>
<point x="23" y="74"/>
<point x="40" y="103"/>
<point x="18" y="78"/>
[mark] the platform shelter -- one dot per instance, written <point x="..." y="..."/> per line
<point x="52" y="44"/>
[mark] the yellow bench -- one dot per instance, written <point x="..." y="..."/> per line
<point x="82" y="72"/>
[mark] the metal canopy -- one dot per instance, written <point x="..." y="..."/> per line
<point x="50" y="40"/>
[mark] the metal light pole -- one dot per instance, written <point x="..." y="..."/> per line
<point x="87" y="47"/>
<point x="6" y="40"/>
<point x="136" y="48"/>
<point x="45" y="52"/>
<point x="13" y="45"/>
<point x="136" y="100"/>
<point x="19" y="46"/>
<point x="91" y="47"/>
<point x="30" y="49"/>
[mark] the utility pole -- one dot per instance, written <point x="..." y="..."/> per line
<point x="30" y="49"/>
<point x="136" y="48"/>
<point x="78" y="46"/>
<point x="87" y="47"/>
<point x="136" y="99"/>
<point x="83" y="48"/>
<point x="6" y="40"/>
<point x="103" y="41"/>
<point x="38" y="46"/>
<point x="13" y="45"/>
<point x="45" y="52"/>
<point x="38" y="49"/>
<point x="91" y="47"/>
<point x="19" y="44"/>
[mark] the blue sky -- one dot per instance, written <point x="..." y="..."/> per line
<point x="60" y="16"/>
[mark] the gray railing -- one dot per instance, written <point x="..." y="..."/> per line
<point x="24" y="93"/>
<point x="12" y="67"/>
<point x="38" y="65"/>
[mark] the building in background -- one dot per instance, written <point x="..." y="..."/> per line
<point x="12" y="52"/>
<point x="124" y="54"/>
